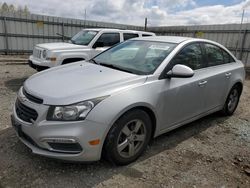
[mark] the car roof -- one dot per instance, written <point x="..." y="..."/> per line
<point x="170" y="39"/>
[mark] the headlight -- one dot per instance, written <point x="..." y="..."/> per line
<point x="74" y="112"/>
<point x="44" y="54"/>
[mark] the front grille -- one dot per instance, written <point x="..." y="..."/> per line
<point x="32" y="98"/>
<point x="25" y="113"/>
<point x="37" y="53"/>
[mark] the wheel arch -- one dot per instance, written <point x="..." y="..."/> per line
<point x="239" y="84"/>
<point x="71" y="60"/>
<point x="142" y="106"/>
<point x="146" y="108"/>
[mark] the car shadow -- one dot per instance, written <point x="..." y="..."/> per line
<point x="18" y="161"/>
<point x="15" y="84"/>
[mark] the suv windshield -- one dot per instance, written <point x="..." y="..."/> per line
<point x="135" y="56"/>
<point x="83" y="37"/>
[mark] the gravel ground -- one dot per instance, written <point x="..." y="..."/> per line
<point x="211" y="152"/>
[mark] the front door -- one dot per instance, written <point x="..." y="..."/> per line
<point x="105" y="41"/>
<point x="183" y="98"/>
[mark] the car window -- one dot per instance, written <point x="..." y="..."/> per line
<point x="214" y="55"/>
<point x="127" y="36"/>
<point x="83" y="37"/>
<point x="107" y="39"/>
<point x="138" y="57"/>
<point x="227" y="57"/>
<point x="190" y="56"/>
<point x="146" y="35"/>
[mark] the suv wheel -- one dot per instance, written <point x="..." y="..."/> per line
<point x="232" y="101"/>
<point x="128" y="137"/>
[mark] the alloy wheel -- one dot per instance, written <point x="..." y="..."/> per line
<point x="131" y="138"/>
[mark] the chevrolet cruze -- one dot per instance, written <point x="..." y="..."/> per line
<point x="115" y="103"/>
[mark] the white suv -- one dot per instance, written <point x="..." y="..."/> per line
<point x="83" y="46"/>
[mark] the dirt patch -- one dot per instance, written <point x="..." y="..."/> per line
<point x="211" y="152"/>
<point x="12" y="77"/>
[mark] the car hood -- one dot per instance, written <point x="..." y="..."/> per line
<point x="78" y="82"/>
<point x="60" y="46"/>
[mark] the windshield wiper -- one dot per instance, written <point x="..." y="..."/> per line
<point x="94" y="61"/>
<point x="73" y="42"/>
<point x="115" y="67"/>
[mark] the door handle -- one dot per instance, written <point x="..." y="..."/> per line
<point x="228" y="74"/>
<point x="202" y="83"/>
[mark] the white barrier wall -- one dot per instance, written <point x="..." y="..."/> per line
<point x="19" y="33"/>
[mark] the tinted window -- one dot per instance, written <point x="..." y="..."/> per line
<point x="190" y="56"/>
<point x="127" y="36"/>
<point x="214" y="55"/>
<point x="146" y="35"/>
<point x="227" y="57"/>
<point x="107" y="39"/>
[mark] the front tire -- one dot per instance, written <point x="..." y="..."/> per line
<point x="232" y="101"/>
<point x="128" y="137"/>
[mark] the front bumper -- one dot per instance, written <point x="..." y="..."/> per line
<point x="38" y="134"/>
<point x="37" y="67"/>
<point x="40" y="64"/>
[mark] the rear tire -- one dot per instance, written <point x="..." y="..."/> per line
<point x="128" y="137"/>
<point x="232" y="101"/>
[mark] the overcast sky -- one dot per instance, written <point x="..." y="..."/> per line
<point x="158" y="12"/>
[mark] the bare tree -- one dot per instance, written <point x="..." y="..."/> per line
<point x="11" y="8"/>
<point x="4" y="7"/>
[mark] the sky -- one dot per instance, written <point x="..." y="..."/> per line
<point x="133" y="12"/>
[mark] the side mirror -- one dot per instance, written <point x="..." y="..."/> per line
<point x="180" y="71"/>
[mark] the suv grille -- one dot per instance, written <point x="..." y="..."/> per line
<point x="32" y="98"/>
<point x="37" y="53"/>
<point x="24" y="112"/>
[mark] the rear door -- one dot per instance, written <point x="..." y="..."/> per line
<point x="218" y="75"/>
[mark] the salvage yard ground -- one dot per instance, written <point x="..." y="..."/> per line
<point x="211" y="152"/>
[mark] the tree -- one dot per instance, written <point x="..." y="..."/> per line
<point x="26" y="10"/>
<point x="4" y="7"/>
<point x="11" y="8"/>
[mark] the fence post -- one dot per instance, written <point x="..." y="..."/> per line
<point x="62" y="31"/>
<point x="194" y="34"/>
<point x="242" y="44"/>
<point x="5" y="36"/>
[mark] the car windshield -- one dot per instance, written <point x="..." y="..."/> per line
<point x="83" y="37"/>
<point x="135" y="56"/>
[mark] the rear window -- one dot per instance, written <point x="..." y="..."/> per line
<point x="127" y="36"/>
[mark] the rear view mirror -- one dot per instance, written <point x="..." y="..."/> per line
<point x="180" y="71"/>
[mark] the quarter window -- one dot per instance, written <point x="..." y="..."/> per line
<point x="190" y="56"/>
<point x="107" y="39"/>
<point x="227" y="57"/>
<point x="127" y="36"/>
<point x="214" y="55"/>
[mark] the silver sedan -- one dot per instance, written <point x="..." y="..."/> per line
<point x="113" y="105"/>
